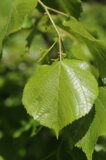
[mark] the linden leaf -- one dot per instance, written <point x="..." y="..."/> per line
<point x="60" y="93"/>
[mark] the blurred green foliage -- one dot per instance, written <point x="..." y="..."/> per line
<point x="22" y="138"/>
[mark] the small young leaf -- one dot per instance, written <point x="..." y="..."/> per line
<point x="61" y="93"/>
<point x="98" y="127"/>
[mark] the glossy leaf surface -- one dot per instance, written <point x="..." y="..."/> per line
<point x="61" y="93"/>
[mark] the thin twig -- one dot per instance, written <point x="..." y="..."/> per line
<point x="50" y="155"/>
<point x="55" y="27"/>
<point x="46" y="52"/>
<point x="59" y="12"/>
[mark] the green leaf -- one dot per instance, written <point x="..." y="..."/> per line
<point x="12" y="15"/>
<point x="61" y="93"/>
<point x="91" y="20"/>
<point x="38" y="47"/>
<point x="71" y="6"/>
<point x="97" y="128"/>
<point x="20" y="8"/>
<point x="81" y="51"/>
<point x="5" y="9"/>
<point x="97" y="47"/>
<point x="15" y="47"/>
<point x="74" y="132"/>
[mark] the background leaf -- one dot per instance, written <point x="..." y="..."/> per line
<point x="97" y="47"/>
<point x="12" y="14"/>
<point x="98" y="127"/>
